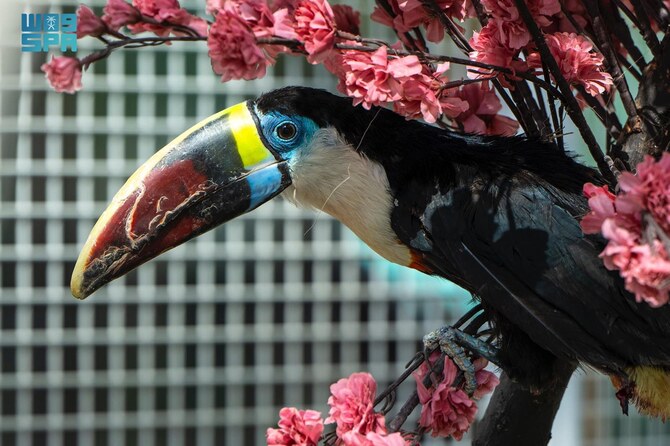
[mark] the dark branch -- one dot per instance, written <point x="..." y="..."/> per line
<point x="518" y="417"/>
<point x="569" y="100"/>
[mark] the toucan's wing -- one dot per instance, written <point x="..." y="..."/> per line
<point x="517" y="244"/>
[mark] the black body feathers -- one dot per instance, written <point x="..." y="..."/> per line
<point x="500" y="217"/>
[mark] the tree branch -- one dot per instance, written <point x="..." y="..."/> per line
<point x="653" y="101"/>
<point x="518" y="417"/>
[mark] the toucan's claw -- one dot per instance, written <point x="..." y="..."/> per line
<point x="456" y="344"/>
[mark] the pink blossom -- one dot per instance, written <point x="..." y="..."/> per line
<point x="651" y="188"/>
<point x="380" y="15"/>
<point x="63" y="73"/>
<point x="424" y="98"/>
<point x="488" y="48"/>
<point x="159" y="30"/>
<point x="213" y="6"/>
<point x="375" y="79"/>
<point x="283" y="24"/>
<point x="408" y="14"/>
<point x="276" y="5"/>
<point x="153" y="8"/>
<point x="482" y="114"/>
<point x="347" y="19"/>
<point x="446" y="410"/>
<point x="89" y="24"/>
<point x="315" y="27"/>
<point x="233" y="49"/>
<point x="577" y="62"/>
<point x="167" y="13"/>
<point x="511" y="29"/>
<point x="486" y="381"/>
<point x="296" y="428"/>
<point x="415" y="14"/>
<point x="418" y="100"/>
<point x="370" y="79"/>
<point x="645" y="268"/>
<point x="601" y="202"/>
<point x="640" y="255"/>
<point x="395" y="439"/>
<point x="351" y="406"/>
<point x="263" y="22"/>
<point x="118" y="13"/>
<point x="379" y="438"/>
<point x="255" y="13"/>
<point x="198" y="24"/>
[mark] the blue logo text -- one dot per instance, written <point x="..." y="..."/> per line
<point x="39" y="32"/>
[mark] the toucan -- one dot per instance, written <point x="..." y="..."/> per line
<point x="498" y="216"/>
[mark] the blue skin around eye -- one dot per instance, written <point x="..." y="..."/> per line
<point x="264" y="183"/>
<point x="305" y="129"/>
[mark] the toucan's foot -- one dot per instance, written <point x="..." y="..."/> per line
<point x="456" y="344"/>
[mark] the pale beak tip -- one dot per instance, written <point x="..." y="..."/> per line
<point x="76" y="281"/>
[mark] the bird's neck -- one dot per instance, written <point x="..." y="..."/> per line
<point x="353" y="189"/>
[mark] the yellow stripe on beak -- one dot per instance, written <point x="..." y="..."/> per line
<point x="251" y="149"/>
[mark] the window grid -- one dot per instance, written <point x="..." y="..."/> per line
<point x="205" y="344"/>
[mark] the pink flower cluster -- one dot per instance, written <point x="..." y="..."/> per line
<point x="376" y="78"/>
<point x="315" y="27"/>
<point x="233" y="49"/>
<point x="119" y="13"/>
<point x="500" y="42"/>
<point x="481" y="114"/>
<point x="636" y="223"/>
<point x="89" y="24"/>
<point x="507" y="22"/>
<point x="579" y="64"/>
<point x="296" y="428"/>
<point x="63" y="74"/>
<point x="506" y="34"/>
<point x="410" y="14"/>
<point x="447" y="411"/>
<point x="161" y="17"/>
<point x="232" y="40"/>
<point x="351" y="408"/>
<point x="168" y="14"/>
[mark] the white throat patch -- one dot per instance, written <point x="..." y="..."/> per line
<point x="336" y="179"/>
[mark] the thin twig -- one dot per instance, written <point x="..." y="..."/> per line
<point x="467" y="316"/>
<point x="631" y="16"/>
<point x="569" y="100"/>
<point x="133" y="43"/>
<point x="411" y="42"/>
<point x="396" y="423"/>
<point x="558" y="126"/>
<point x="645" y="26"/>
<point x="606" y="117"/>
<point x="614" y="21"/>
<point x="434" y="10"/>
<point x="415" y="364"/>
<point x="603" y="39"/>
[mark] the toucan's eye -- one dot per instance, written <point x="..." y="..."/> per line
<point x="286" y="131"/>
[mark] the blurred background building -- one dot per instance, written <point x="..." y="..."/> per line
<point x="203" y="346"/>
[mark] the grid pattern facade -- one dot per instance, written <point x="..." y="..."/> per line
<point x="205" y="344"/>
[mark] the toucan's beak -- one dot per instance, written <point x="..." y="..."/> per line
<point x="212" y="173"/>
